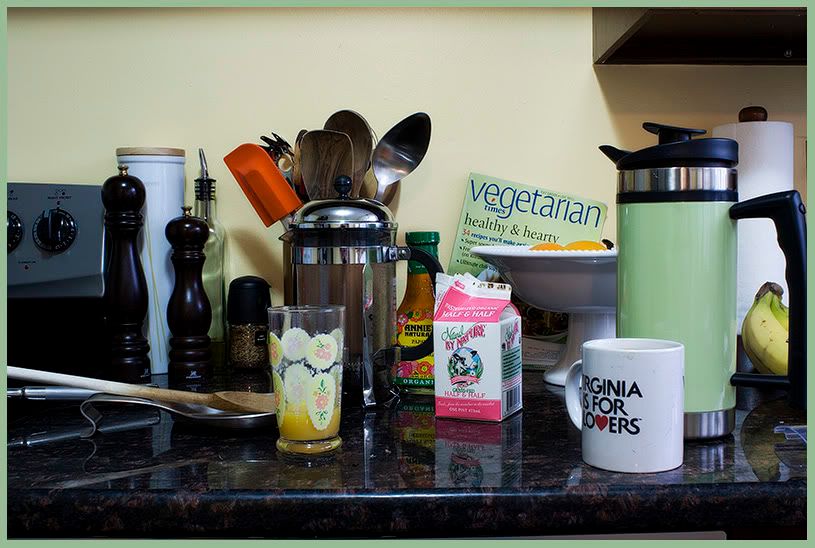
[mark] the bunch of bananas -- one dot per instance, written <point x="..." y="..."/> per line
<point x="765" y="331"/>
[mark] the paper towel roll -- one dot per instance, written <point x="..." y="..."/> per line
<point x="765" y="166"/>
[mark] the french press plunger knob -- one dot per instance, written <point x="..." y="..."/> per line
<point x="342" y="184"/>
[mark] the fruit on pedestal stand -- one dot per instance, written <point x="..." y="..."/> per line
<point x="580" y="245"/>
<point x="586" y="245"/>
<point x="765" y="331"/>
<point x="546" y="246"/>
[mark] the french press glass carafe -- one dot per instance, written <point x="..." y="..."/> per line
<point x="344" y="252"/>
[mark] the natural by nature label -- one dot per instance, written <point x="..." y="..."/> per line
<point x="465" y="366"/>
<point x="413" y="328"/>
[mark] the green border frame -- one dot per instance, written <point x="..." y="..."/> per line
<point x="316" y="4"/>
<point x="392" y="3"/>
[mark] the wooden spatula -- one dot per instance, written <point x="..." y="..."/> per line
<point x="237" y="402"/>
<point x="296" y="174"/>
<point x="358" y="130"/>
<point x="325" y="155"/>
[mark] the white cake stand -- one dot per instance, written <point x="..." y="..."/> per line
<point x="580" y="283"/>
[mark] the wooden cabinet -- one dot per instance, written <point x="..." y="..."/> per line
<point x="699" y="36"/>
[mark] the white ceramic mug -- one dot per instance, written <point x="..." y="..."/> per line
<point x="627" y="398"/>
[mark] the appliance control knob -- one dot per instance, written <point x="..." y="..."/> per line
<point x="14" y="231"/>
<point x="54" y="230"/>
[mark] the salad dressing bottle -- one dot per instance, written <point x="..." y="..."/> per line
<point x="415" y="318"/>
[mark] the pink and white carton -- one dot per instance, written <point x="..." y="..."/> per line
<point x="477" y="347"/>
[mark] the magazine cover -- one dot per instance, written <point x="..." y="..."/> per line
<point x="500" y="212"/>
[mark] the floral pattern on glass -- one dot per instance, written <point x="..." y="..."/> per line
<point x="321" y="400"/>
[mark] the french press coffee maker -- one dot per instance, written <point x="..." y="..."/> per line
<point x="343" y="251"/>
<point x="676" y="267"/>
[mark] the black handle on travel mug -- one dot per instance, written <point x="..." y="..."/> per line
<point x="788" y="213"/>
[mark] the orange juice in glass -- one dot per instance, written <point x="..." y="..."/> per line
<point x="306" y="345"/>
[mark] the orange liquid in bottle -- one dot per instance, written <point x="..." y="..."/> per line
<point x="415" y="319"/>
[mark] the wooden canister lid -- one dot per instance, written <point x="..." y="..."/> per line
<point x="753" y="114"/>
<point x="149" y="151"/>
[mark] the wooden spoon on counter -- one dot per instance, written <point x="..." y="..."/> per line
<point x="237" y="402"/>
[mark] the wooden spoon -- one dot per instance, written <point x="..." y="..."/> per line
<point x="358" y="130"/>
<point x="324" y="155"/>
<point x="296" y="174"/>
<point x="238" y="402"/>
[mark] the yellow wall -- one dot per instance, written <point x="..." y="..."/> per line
<point x="511" y="93"/>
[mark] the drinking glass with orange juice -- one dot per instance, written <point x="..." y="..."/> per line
<point x="306" y="347"/>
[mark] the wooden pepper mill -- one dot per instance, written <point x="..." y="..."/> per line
<point x="189" y="314"/>
<point x="125" y="299"/>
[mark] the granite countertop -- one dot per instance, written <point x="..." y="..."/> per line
<point x="399" y="473"/>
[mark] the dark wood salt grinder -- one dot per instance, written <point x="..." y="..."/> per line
<point x="189" y="313"/>
<point x="125" y="298"/>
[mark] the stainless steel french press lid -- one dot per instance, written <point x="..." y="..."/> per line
<point x="344" y="230"/>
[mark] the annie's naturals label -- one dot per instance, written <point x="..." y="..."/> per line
<point x="413" y="328"/>
<point x="499" y="212"/>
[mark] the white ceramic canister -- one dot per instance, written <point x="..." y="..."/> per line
<point x="162" y="172"/>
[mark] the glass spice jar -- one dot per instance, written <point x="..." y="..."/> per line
<point x="247" y="304"/>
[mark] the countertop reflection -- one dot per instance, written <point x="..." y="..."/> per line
<point x="159" y="477"/>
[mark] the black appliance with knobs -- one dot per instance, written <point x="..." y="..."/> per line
<point x="56" y="256"/>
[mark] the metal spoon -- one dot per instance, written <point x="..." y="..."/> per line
<point x="400" y="151"/>
<point x="187" y="412"/>
<point x="233" y="402"/>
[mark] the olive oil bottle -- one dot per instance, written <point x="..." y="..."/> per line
<point x="213" y="273"/>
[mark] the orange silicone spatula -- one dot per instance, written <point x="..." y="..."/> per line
<point x="262" y="183"/>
